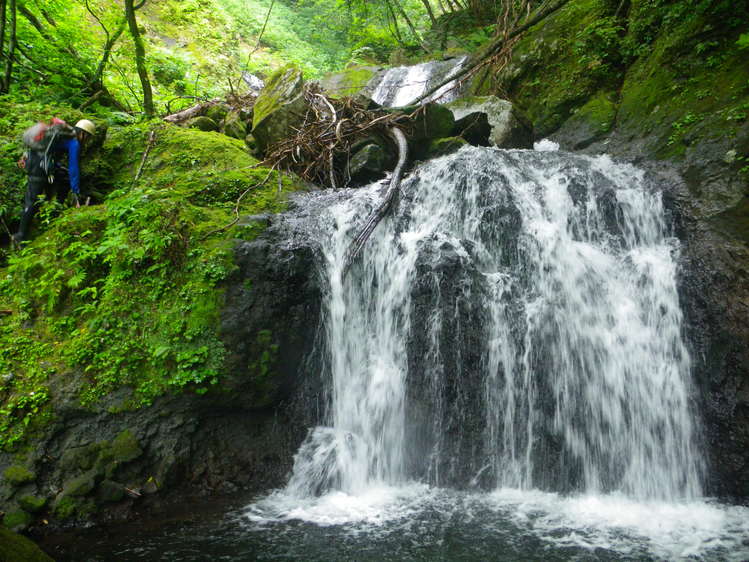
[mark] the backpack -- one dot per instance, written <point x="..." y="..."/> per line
<point x="41" y="139"/>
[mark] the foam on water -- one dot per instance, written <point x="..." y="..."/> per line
<point x="612" y="523"/>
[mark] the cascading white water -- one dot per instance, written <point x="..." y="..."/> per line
<point x="402" y="85"/>
<point x="564" y="275"/>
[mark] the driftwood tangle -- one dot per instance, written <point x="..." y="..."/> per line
<point x="379" y="213"/>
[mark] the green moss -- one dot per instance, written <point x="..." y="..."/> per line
<point x="442" y="147"/>
<point x="18" y="475"/>
<point x="286" y="83"/>
<point x="17" y="520"/>
<point x="263" y="368"/>
<point x="561" y="62"/>
<point x="125" y="447"/>
<point x="32" y="504"/>
<point x="128" y="293"/>
<point x="349" y="81"/>
<point x="109" y="492"/>
<point x="15" y="547"/>
<point x="80" y="485"/>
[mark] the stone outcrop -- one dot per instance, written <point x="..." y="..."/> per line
<point x="488" y="120"/>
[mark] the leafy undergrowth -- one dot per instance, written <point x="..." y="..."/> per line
<point x="127" y="294"/>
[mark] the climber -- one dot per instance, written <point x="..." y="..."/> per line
<point x="46" y="146"/>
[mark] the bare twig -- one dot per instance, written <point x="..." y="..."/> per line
<point x="149" y="144"/>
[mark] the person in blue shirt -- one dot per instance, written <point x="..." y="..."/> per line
<point x="61" y="182"/>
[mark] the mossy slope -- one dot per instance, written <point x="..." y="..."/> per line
<point x="127" y="294"/>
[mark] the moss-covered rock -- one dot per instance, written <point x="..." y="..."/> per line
<point x="18" y="475"/>
<point x="69" y="507"/>
<point x="109" y="491"/>
<point x="82" y="458"/>
<point x="591" y="122"/>
<point x="279" y="106"/>
<point x="17" y="548"/>
<point x="368" y="162"/>
<point x="17" y="520"/>
<point x="348" y="82"/>
<point x="125" y="447"/>
<point x="442" y="147"/>
<point x="32" y="504"/>
<point x="233" y="126"/>
<point x="217" y="112"/>
<point x="80" y="485"/>
<point x="202" y="123"/>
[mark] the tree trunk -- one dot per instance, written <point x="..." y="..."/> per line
<point x="97" y="82"/>
<point x="5" y="87"/>
<point x="140" y="57"/>
<point x="429" y="10"/>
<point x="2" y="28"/>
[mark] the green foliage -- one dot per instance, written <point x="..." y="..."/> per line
<point x="743" y="41"/>
<point x="597" y="46"/>
<point x="128" y="293"/>
<point x="681" y="125"/>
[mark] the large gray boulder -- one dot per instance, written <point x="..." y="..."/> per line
<point x="497" y="120"/>
<point x="280" y="105"/>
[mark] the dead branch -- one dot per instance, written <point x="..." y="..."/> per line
<point x="374" y="219"/>
<point x="190" y="112"/>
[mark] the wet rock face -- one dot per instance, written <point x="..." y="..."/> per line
<point x="105" y="464"/>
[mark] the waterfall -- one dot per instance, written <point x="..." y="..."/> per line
<point x="402" y="85"/>
<point x="514" y="323"/>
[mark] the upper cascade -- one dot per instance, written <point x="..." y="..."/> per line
<point x="403" y="85"/>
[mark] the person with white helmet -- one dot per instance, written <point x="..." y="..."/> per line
<point x="46" y="174"/>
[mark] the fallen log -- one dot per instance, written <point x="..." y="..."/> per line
<point x="379" y="213"/>
<point x="190" y="112"/>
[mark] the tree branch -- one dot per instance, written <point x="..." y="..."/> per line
<point x="492" y="49"/>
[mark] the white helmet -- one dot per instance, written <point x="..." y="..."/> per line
<point x="86" y="125"/>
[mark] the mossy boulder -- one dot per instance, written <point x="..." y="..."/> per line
<point x="32" y="504"/>
<point x="17" y="520"/>
<point x="368" y="163"/>
<point x="430" y="121"/>
<point x="202" y="123"/>
<point x="350" y="81"/>
<point x="233" y="126"/>
<point x="18" y="475"/>
<point x="217" y="112"/>
<point x="125" y="447"/>
<point x="509" y="128"/>
<point x="82" y="458"/>
<point x="17" y="548"/>
<point x="68" y="507"/>
<point x="442" y="147"/>
<point x="279" y="106"/>
<point x="591" y="122"/>
<point x="80" y="485"/>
